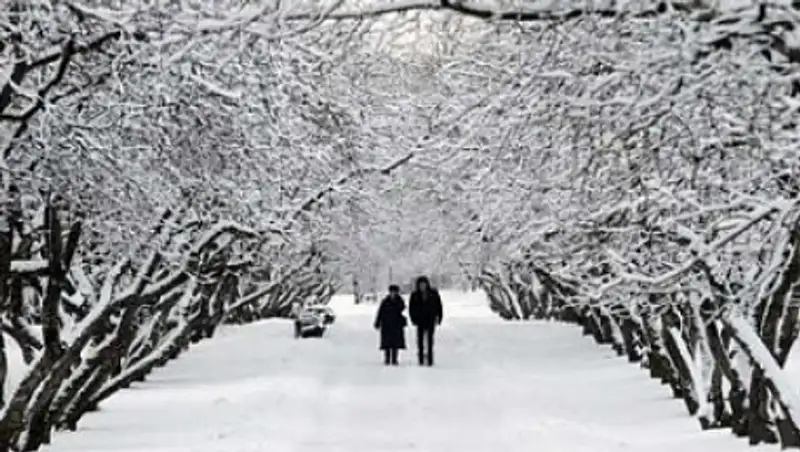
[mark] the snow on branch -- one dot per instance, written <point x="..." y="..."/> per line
<point x="759" y="215"/>
<point x="357" y="173"/>
<point x="28" y="266"/>
<point x="532" y="13"/>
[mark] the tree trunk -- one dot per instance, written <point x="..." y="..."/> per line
<point x="3" y="369"/>
<point x="82" y="402"/>
<point x="682" y="374"/>
<point x="5" y="274"/>
<point x="55" y="281"/>
<point x="721" y="416"/>
<point x="758" y="420"/>
<point x="630" y="334"/>
<point x="39" y="426"/>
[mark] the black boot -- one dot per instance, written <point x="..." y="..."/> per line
<point x="394" y="357"/>
<point x="387" y="357"/>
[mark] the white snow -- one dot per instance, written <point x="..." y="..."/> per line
<point x="28" y="266"/>
<point x="497" y="386"/>
<point x="16" y="365"/>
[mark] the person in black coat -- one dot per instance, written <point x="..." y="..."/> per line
<point x="425" y="309"/>
<point x="391" y="322"/>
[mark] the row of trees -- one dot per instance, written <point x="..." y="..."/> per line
<point x="644" y="185"/>
<point x="86" y="331"/>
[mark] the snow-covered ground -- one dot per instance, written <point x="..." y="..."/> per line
<point x="497" y="387"/>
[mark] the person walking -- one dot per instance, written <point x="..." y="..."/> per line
<point x="425" y="309"/>
<point x="297" y="308"/>
<point x="392" y="323"/>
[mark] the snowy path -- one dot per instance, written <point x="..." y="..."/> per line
<point x="498" y="387"/>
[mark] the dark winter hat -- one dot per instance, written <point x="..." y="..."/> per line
<point x="394" y="288"/>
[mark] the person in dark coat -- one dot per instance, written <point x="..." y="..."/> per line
<point x="391" y="322"/>
<point x="425" y="309"/>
